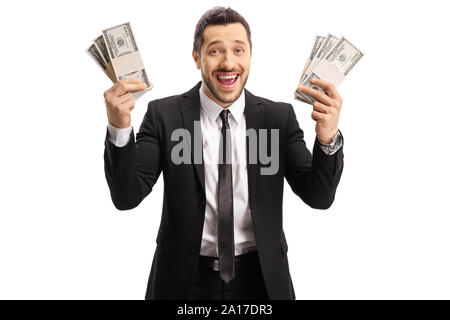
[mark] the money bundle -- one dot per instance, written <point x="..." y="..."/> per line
<point x="116" y="53"/>
<point x="330" y="59"/>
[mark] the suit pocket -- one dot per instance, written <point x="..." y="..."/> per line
<point x="164" y="241"/>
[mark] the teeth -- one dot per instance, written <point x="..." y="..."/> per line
<point x="228" y="77"/>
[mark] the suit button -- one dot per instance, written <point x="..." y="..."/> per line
<point x="194" y="249"/>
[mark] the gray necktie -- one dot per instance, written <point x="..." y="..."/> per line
<point x="225" y="204"/>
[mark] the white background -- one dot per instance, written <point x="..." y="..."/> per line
<point x="386" y="235"/>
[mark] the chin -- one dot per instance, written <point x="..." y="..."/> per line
<point x="226" y="86"/>
<point x="230" y="92"/>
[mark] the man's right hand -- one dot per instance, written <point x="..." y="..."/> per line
<point x="119" y="101"/>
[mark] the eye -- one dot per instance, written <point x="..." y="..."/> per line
<point x="214" y="51"/>
<point x="239" y="50"/>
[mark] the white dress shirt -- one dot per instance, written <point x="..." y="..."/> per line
<point x="211" y="126"/>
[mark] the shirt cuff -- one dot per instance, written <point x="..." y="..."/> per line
<point x="117" y="136"/>
<point x="334" y="146"/>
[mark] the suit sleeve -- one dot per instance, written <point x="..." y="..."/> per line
<point x="132" y="170"/>
<point x="313" y="177"/>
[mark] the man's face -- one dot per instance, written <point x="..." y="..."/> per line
<point x="224" y="62"/>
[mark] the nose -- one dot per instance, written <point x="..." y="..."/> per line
<point x="227" y="61"/>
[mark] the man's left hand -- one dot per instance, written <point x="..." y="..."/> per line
<point x="326" y="109"/>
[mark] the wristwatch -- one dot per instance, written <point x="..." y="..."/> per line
<point x="334" y="146"/>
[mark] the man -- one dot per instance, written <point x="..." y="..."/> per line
<point x="221" y="234"/>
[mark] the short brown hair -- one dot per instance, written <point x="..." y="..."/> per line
<point x="218" y="16"/>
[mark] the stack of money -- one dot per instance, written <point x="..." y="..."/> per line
<point x="330" y="59"/>
<point x="116" y="53"/>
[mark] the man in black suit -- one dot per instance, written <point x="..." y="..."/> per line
<point x="221" y="234"/>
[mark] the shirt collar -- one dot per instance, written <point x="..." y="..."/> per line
<point x="213" y="110"/>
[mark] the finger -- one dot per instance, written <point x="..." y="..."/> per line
<point x="320" y="107"/>
<point x="124" y="81"/>
<point x="131" y="80"/>
<point x="329" y="88"/>
<point x="128" y="105"/>
<point x="125" y="98"/>
<point x="316" y="116"/>
<point x="320" y="96"/>
<point x="121" y="87"/>
<point x="129" y="87"/>
<point x="111" y="91"/>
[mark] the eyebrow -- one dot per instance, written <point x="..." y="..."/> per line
<point x="220" y="41"/>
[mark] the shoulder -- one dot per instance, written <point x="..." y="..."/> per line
<point x="170" y="104"/>
<point x="166" y="103"/>
<point x="274" y="109"/>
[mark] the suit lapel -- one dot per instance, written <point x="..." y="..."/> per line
<point x="254" y="118"/>
<point x="190" y="110"/>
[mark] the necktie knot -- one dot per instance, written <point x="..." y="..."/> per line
<point x="224" y="116"/>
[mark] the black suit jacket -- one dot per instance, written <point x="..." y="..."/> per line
<point x="132" y="170"/>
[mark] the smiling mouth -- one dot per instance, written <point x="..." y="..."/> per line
<point x="227" y="80"/>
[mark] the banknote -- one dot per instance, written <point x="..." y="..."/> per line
<point x="99" y="42"/>
<point x="95" y="54"/>
<point x="117" y="54"/>
<point x="321" y="52"/>
<point x="332" y="62"/>
<point x="344" y="56"/>
<point x="325" y="46"/>
<point x="316" y="46"/>
<point x="123" y="51"/>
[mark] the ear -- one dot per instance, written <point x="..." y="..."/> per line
<point x="196" y="59"/>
